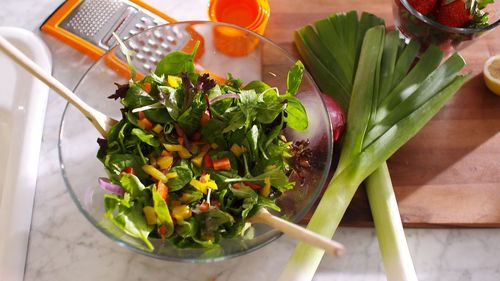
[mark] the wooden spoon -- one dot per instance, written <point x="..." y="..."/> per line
<point x="100" y="121"/>
<point x="103" y="123"/>
<point x="331" y="247"/>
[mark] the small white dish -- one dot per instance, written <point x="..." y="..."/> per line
<point x="23" y="100"/>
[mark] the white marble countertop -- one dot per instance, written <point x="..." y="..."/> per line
<point x="64" y="246"/>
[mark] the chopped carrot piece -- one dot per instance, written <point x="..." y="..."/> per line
<point x="146" y="87"/>
<point x="162" y="190"/>
<point x="179" y="131"/>
<point x="141" y="115"/>
<point x="204" y="207"/>
<point x="252" y="185"/>
<point x="145" y="124"/>
<point x="205" y="117"/>
<point x="162" y="230"/>
<point x="208" y="161"/>
<point x="127" y="170"/>
<point x="222" y="164"/>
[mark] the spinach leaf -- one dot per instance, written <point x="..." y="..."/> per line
<point x="162" y="212"/>
<point x="294" y="78"/>
<point x="248" y="105"/>
<point x="234" y="230"/>
<point x="296" y="116"/>
<point x="208" y="131"/>
<point x="172" y="99"/>
<point x="273" y="135"/>
<point x="237" y="119"/>
<point x="249" y="197"/>
<point x="268" y="203"/>
<point x="134" y="224"/>
<point x="116" y="163"/>
<point x="189" y="120"/>
<point x="257" y="85"/>
<point x="132" y="185"/>
<point x="185" y="228"/>
<point x="184" y="176"/>
<point x="176" y="63"/>
<point x="215" y="218"/>
<point x="219" y="106"/>
<point x="270" y="107"/>
<point x="137" y="97"/>
<point x="158" y="115"/>
<point x="191" y="196"/>
<point x="113" y="201"/>
<point x="145" y="137"/>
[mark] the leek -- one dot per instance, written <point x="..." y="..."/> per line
<point x="388" y="226"/>
<point x="388" y="102"/>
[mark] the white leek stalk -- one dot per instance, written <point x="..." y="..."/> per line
<point x="396" y="256"/>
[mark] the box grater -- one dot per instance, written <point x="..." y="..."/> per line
<point x="88" y="26"/>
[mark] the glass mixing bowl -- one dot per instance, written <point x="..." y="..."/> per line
<point x="266" y="61"/>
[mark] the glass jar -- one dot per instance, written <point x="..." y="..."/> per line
<point x="249" y="14"/>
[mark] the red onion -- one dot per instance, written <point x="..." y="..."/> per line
<point x="106" y="184"/>
<point x="337" y="117"/>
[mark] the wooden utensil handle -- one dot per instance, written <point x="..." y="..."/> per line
<point x="45" y="77"/>
<point x="300" y="233"/>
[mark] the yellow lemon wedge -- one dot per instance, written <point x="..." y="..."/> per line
<point x="491" y="74"/>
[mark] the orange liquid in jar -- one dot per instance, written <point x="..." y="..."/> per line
<point x="250" y="14"/>
<point x="238" y="12"/>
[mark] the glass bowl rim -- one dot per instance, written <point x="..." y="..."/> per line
<point x="273" y="233"/>
<point x="440" y="26"/>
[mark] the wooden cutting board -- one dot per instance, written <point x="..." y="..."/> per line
<point x="449" y="173"/>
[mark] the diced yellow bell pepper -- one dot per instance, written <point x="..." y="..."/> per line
<point x="185" y="197"/>
<point x="181" y="150"/>
<point x="165" y="162"/>
<point x="158" y="128"/>
<point x="185" y="154"/>
<point x="236" y="149"/>
<point x="149" y="214"/>
<point x="198" y="185"/>
<point x="172" y="147"/>
<point x="171" y="175"/>
<point x="204" y="183"/>
<point x="198" y="160"/>
<point x="174" y="81"/>
<point x="181" y="212"/>
<point x="211" y="184"/>
<point x="155" y="173"/>
<point x="266" y="190"/>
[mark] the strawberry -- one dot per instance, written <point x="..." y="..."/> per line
<point x="423" y="6"/>
<point x="454" y="13"/>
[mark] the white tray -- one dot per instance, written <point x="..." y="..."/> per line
<point x="23" y="100"/>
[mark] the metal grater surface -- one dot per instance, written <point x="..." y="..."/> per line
<point x="152" y="45"/>
<point x="97" y="20"/>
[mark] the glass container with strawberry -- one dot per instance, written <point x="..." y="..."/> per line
<point x="450" y="24"/>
